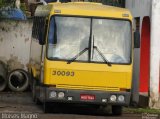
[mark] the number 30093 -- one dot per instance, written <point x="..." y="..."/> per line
<point x="63" y="73"/>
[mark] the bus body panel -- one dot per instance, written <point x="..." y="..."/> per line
<point x="89" y="76"/>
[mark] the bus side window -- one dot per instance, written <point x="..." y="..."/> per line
<point x="39" y="29"/>
<point x="43" y="32"/>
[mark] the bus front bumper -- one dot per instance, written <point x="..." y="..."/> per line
<point x="86" y="96"/>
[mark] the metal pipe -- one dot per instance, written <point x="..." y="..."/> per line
<point x="3" y="75"/>
<point x="18" y="80"/>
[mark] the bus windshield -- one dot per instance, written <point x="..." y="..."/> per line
<point x="68" y="36"/>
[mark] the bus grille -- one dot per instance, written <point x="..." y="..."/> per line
<point x="82" y="87"/>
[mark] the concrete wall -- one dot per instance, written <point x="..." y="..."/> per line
<point x="151" y="8"/>
<point x="15" y="39"/>
<point x="138" y="8"/>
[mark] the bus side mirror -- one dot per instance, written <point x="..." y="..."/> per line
<point x="136" y="39"/>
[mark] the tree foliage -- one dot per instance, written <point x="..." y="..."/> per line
<point x="6" y="3"/>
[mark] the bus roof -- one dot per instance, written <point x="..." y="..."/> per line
<point x="89" y="9"/>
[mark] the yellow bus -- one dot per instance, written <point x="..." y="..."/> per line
<point x="82" y="53"/>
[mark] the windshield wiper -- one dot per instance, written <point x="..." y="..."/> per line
<point x="103" y="57"/>
<point x="101" y="54"/>
<point x="79" y="54"/>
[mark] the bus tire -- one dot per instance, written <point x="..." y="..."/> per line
<point x="116" y="110"/>
<point x="33" y="89"/>
<point x="46" y="107"/>
<point x="34" y="92"/>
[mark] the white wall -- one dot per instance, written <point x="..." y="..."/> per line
<point x="139" y="7"/>
<point x="15" y="39"/>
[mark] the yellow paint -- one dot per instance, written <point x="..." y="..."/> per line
<point x="90" y="9"/>
<point x="89" y="76"/>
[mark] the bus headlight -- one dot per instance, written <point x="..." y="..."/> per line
<point x="121" y="98"/>
<point x="52" y="94"/>
<point x="61" y="95"/>
<point x="113" y="98"/>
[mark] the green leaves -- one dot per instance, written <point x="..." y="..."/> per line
<point x="6" y="3"/>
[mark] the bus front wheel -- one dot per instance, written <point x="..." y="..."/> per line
<point x="116" y="110"/>
<point x="46" y="107"/>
